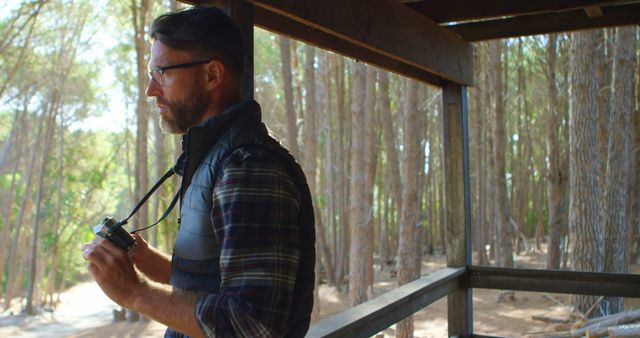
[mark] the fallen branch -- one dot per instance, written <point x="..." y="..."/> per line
<point x="553" y="299"/>
<point x="552" y="320"/>
<point x="593" y="307"/>
<point x="596" y="329"/>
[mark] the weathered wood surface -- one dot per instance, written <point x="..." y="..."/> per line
<point x="384" y="27"/>
<point x="367" y="319"/>
<point x="571" y="282"/>
<point x="286" y="26"/>
<point x="624" y="331"/>
<point x="547" y="23"/>
<point x="464" y="10"/>
<point x="601" y="327"/>
<point x="457" y="203"/>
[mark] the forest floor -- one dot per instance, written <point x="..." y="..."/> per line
<point x="85" y="312"/>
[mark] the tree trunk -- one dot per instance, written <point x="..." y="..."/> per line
<point x="342" y="159"/>
<point x="584" y="216"/>
<point x="603" y="53"/>
<point x="389" y="141"/>
<point x="505" y="258"/>
<point x="555" y="178"/>
<point x="370" y="162"/>
<point x="24" y="205"/>
<point x="160" y="197"/>
<point x="409" y="215"/>
<point x="616" y="224"/>
<point x="33" y="247"/>
<point x="309" y="164"/>
<point x="51" y="279"/>
<point x="140" y="11"/>
<point x="292" y="130"/>
<point x="358" y="224"/>
<point x="20" y="121"/>
<point x="139" y="15"/>
<point x="635" y="200"/>
<point x="477" y="140"/>
<point x="24" y="48"/>
<point x="383" y="237"/>
<point x="634" y="184"/>
<point x="325" y="91"/>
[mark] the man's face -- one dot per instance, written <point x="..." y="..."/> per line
<point x="181" y="99"/>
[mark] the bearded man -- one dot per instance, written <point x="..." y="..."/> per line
<point x="243" y="259"/>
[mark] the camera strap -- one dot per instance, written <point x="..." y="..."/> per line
<point x="155" y="187"/>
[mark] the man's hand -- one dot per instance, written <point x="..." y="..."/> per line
<point x="151" y="262"/>
<point x="142" y="251"/>
<point x="113" y="270"/>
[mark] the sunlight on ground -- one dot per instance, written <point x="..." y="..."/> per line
<point x="85" y="312"/>
<point x="82" y="307"/>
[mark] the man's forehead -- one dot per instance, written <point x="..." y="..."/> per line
<point x="161" y="55"/>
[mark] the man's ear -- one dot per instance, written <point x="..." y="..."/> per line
<point x="215" y="74"/>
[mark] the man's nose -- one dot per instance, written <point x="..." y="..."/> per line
<point x="153" y="89"/>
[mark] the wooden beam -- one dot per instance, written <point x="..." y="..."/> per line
<point x="547" y="23"/>
<point x="466" y="10"/>
<point x="285" y="26"/>
<point x="571" y="282"/>
<point x="457" y="203"/>
<point x="593" y="11"/>
<point x="371" y="317"/>
<point x="384" y="28"/>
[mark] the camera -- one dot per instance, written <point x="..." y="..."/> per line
<point x="111" y="230"/>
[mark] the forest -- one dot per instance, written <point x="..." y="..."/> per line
<point x="554" y="141"/>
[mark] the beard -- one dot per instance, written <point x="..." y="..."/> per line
<point x="184" y="113"/>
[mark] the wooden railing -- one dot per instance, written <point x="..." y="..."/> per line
<point x="367" y="319"/>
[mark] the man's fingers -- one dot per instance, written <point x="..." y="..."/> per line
<point x="93" y="255"/>
<point x="110" y="246"/>
<point x="93" y="269"/>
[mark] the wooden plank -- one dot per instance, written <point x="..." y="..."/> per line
<point x="283" y="25"/>
<point x="384" y="27"/>
<point x="571" y="282"/>
<point x="547" y="23"/>
<point x="465" y="10"/>
<point x="371" y="317"/>
<point x="457" y="203"/>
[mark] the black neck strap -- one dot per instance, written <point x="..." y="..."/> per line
<point x="155" y="187"/>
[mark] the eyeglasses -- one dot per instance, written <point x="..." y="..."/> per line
<point x="157" y="73"/>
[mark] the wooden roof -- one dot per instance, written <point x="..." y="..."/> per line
<point x="476" y="20"/>
<point x="428" y="40"/>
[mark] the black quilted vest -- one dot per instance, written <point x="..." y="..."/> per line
<point x="195" y="263"/>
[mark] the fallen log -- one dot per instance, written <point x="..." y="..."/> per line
<point x="552" y="320"/>
<point x="632" y="312"/>
<point x="617" y="319"/>
<point x="624" y="331"/>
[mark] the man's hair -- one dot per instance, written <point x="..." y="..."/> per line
<point x="207" y="32"/>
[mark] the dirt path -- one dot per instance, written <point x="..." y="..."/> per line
<point x="85" y="312"/>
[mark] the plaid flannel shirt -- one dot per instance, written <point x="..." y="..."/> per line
<point x="255" y="217"/>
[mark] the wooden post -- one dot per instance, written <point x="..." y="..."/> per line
<point x="457" y="203"/>
<point x="242" y="14"/>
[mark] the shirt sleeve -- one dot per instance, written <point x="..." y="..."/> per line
<point x="255" y="217"/>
